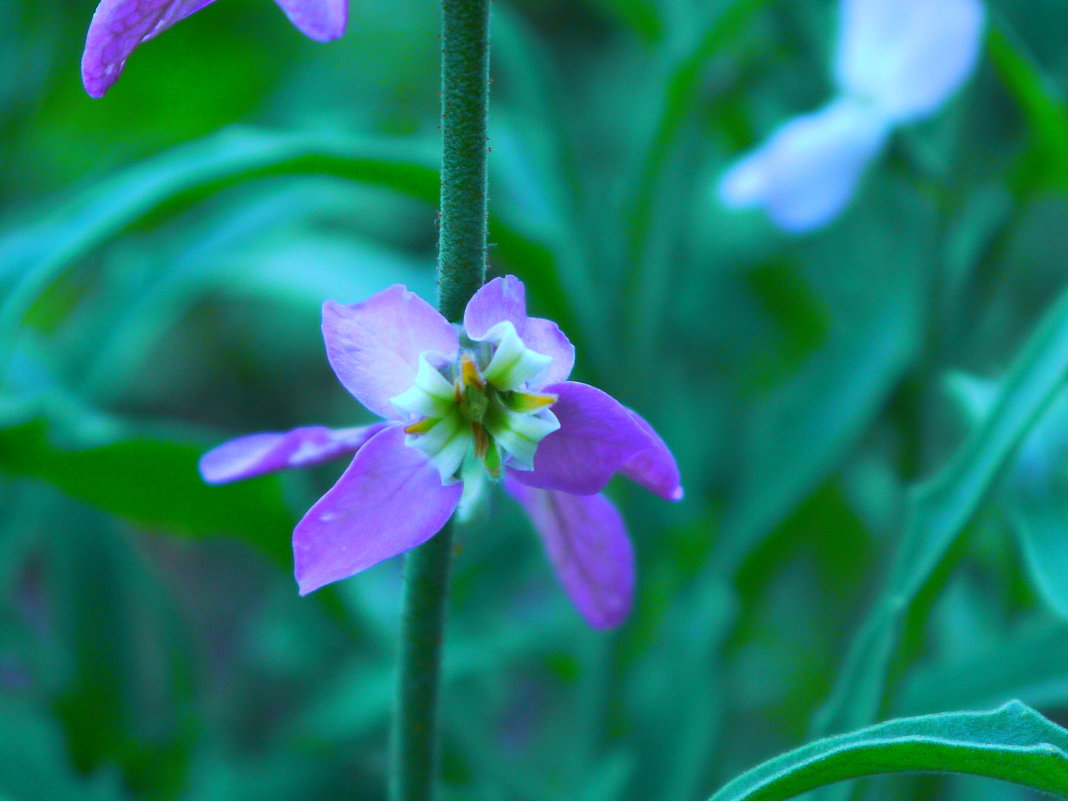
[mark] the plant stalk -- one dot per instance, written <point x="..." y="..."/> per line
<point x="426" y="589"/>
<point x="461" y="271"/>
<point x="464" y="138"/>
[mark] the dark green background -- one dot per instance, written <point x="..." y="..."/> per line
<point x="164" y="253"/>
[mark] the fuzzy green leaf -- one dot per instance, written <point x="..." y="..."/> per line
<point x="1013" y="743"/>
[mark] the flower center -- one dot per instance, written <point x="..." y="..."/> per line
<point x="477" y="414"/>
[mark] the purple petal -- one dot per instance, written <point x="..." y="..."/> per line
<point x="118" y="27"/>
<point x="501" y="299"/>
<point x="597" y="436"/>
<point x="654" y="468"/>
<point x="589" y="548"/>
<point x="321" y="20"/>
<point x="505" y="299"/>
<point x="806" y="173"/>
<point x="374" y="346"/>
<point x="545" y="337"/>
<point x="389" y="500"/>
<point x="907" y="56"/>
<point x="264" y="453"/>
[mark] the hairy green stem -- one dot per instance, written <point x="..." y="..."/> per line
<point x="464" y="107"/>
<point x="461" y="271"/>
<point x="426" y="588"/>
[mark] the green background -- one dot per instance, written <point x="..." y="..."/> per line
<point x="164" y="253"/>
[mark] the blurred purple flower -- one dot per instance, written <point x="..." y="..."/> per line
<point x="462" y="406"/>
<point x="896" y="61"/>
<point x="119" y="26"/>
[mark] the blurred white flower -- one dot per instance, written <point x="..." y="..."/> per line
<point x="896" y="61"/>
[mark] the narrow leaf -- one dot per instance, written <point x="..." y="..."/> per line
<point x="939" y="509"/>
<point x="32" y="259"/>
<point x="1043" y="110"/>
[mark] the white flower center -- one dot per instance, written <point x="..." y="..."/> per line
<point x="475" y="415"/>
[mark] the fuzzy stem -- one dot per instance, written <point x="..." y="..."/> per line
<point x="461" y="271"/>
<point x="464" y="107"/>
<point x="426" y="588"/>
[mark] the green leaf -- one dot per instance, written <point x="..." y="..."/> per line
<point x="640" y="16"/>
<point x="1045" y="113"/>
<point x="1034" y="494"/>
<point x="1035" y="504"/>
<point x="148" y="480"/>
<point x="800" y="429"/>
<point x="541" y="189"/>
<point x="1034" y="501"/>
<point x="938" y="510"/>
<point x="260" y="256"/>
<point x="1030" y="663"/>
<point x="678" y="103"/>
<point x="40" y="254"/>
<point x="34" y="764"/>
<point x="659" y="211"/>
<point x="116" y="658"/>
<point x="1013" y="743"/>
<point x="184" y="175"/>
<point x="1039" y="516"/>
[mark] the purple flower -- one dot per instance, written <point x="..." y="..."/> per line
<point x="896" y="61"/>
<point x="464" y="406"/>
<point x="119" y="26"/>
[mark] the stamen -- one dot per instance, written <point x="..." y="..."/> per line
<point x="482" y="440"/>
<point x="529" y="401"/>
<point x="445" y="444"/>
<point x="421" y="426"/>
<point x="480" y="414"/>
<point x="519" y="434"/>
<point x="470" y="374"/>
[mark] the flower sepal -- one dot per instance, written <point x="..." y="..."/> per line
<point x="513" y="364"/>
<point x="430" y="395"/>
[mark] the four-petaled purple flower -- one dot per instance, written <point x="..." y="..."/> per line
<point x="119" y="26"/>
<point x="464" y="406"/>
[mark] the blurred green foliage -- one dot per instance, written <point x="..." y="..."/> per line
<point x="862" y="535"/>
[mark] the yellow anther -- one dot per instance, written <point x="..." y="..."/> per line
<point x="470" y="374"/>
<point x="421" y="426"/>
<point x="530" y="401"/>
